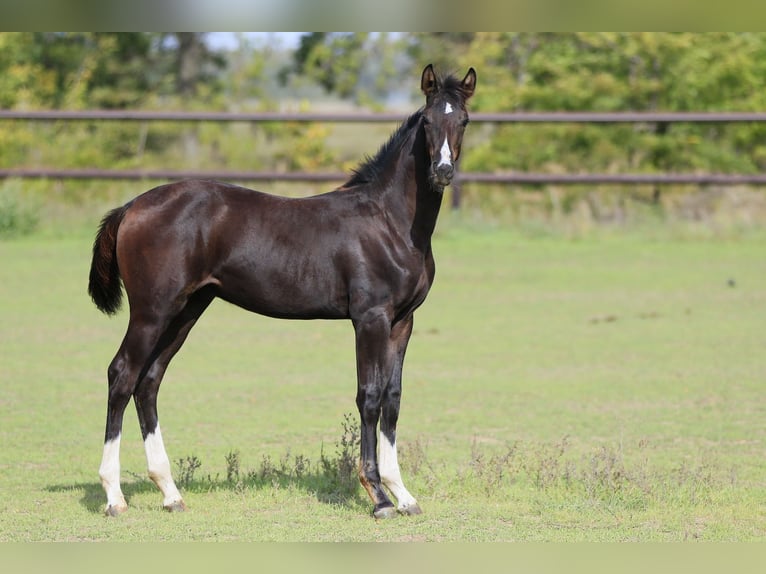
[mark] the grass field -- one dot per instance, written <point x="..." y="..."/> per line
<point x="609" y="388"/>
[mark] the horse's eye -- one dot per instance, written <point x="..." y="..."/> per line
<point x="465" y="122"/>
<point x="426" y="121"/>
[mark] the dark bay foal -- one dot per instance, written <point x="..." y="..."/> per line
<point x="361" y="252"/>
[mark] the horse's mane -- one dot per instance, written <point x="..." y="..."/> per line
<point x="371" y="167"/>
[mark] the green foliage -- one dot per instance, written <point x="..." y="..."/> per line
<point x="19" y="214"/>
<point x="22" y="77"/>
<point x="333" y="60"/>
<point x="619" y="72"/>
<point x="357" y="65"/>
<point x="104" y="70"/>
<point x="526" y="71"/>
<point x="122" y="76"/>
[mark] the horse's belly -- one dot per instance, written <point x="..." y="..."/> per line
<point x="285" y="294"/>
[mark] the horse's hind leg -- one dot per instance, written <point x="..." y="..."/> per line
<point x="124" y="373"/>
<point x="145" y="396"/>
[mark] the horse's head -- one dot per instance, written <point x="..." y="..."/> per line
<point x="444" y="121"/>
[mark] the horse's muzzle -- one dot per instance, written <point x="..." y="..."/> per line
<point x="442" y="173"/>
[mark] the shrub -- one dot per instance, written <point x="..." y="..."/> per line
<point x="18" y="214"/>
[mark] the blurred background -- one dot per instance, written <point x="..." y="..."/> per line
<point x="370" y="73"/>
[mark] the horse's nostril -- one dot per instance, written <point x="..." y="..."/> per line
<point x="443" y="169"/>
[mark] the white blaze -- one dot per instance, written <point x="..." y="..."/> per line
<point x="448" y="109"/>
<point x="446" y="153"/>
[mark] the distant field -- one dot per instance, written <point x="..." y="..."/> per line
<point x="604" y="389"/>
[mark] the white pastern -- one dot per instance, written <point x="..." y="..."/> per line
<point x="448" y="109"/>
<point x="446" y="153"/>
<point x="159" y="467"/>
<point x="109" y="471"/>
<point x="388" y="466"/>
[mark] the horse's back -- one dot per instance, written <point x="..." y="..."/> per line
<point x="173" y="202"/>
<point x="269" y="254"/>
<point x="191" y="210"/>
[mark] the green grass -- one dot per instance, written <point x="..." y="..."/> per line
<point x="606" y="388"/>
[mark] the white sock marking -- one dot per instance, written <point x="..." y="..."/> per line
<point x="159" y="467"/>
<point x="448" y="109"/>
<point x="446" y="153"/>
<point x="388" y="466"/>
<point x="109" y="471"/>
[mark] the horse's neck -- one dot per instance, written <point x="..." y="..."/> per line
<point x="424" y="202"/>
<point x="411" y="204"/>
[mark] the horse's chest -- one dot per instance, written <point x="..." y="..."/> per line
<point x="415" y="286"/>
<point x="398" y="283"/>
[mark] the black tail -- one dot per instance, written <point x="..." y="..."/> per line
<point x="104" y="285"/>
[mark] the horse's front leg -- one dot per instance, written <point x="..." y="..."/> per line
<point x="374" y="362"/>
<point x="387" y="459"/>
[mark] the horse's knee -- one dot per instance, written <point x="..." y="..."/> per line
<point x="368" y="401"/>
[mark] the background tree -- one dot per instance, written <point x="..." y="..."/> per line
<point x="356" y="66"/>
<point x="195" y="66"/>
<point x="619" y="72"/>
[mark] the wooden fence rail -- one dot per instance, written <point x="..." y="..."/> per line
<point x="367" y="117"/>
<point x="511" y="178"/>
<point x="517" y="178"/>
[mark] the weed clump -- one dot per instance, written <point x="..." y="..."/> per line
<point x="333" y="478"/>
<point x="187" y="467"/>
<point x="602" y="476"/>
<point x="340" y="472"/>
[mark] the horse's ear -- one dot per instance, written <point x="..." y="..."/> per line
<point x="469" y="83"/>
<point x="429" y="84"/>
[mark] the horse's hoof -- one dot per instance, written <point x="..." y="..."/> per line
<point x="177" y="506"/>
<point x="115" y="510"/>
<point x="385" y="512"/>
<point x="411" y="510"/>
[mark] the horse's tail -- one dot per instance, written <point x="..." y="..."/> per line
<point x="104" y="285"/>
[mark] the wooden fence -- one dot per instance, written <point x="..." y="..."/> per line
<point x="519" y="178"/>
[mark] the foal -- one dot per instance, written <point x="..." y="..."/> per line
<point x="361" y="252"/>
